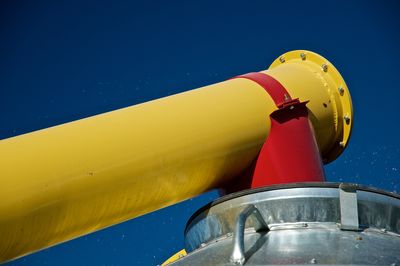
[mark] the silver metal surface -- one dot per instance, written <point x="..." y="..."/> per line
<point x="292" y="205"/>
<point x="348" y="207"/>
<point x="305" y="222"/>
<point x="238" y="256"/>
<point x="299" y="246"/>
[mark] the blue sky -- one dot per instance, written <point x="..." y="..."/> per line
<point x="65" y="60"/>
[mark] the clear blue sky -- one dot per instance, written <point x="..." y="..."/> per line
<point x="65" y="60"/>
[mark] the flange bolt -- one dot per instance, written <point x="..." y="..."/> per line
<point x="346" y="119"/>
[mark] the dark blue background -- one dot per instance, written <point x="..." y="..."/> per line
<point x="65" y="60"/>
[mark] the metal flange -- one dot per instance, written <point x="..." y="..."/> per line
<point x="338" y="93"/>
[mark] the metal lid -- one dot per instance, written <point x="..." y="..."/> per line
<point x="300" y="224"/>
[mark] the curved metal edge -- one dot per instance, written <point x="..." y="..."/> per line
<point x="285" y="186"/>
<point x="340" y="95"/>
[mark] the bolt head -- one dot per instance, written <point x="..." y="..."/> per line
<point x="286" y="97"/>
<point x="282" y="59"/>
<point x="325" y="67"/>
<point x="342" y="144"/>
<point x="303" y="56"/>
<point x="346" y="119"/>
<point x="341" y="90"/>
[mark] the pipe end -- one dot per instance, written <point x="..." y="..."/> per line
<point x="338" y="93"/>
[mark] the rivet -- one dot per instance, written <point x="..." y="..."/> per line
<point x="286" y="97"/>
<point x="346" y="119"/>
<point x="324" y="67"/>
<point x="358" y="238"/>
<point x="383" y="230"/>
<point x="313" y="261"/>
<point x="341" y="90"/>
<point x="282" y="59"/>
<point x="202" y="245"/>
<point x="304" y="225"/>
<point x="303" y="56"/>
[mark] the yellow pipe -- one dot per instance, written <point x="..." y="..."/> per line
<point x="66" y="181"/>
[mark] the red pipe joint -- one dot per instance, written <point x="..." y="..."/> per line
<point x="290" y="153"/>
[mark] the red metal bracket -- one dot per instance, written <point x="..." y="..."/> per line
<point x="277" y="92"/>
<point x="290" y="153"/>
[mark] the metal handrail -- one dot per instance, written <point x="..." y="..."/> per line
<point x="238" y="254"/>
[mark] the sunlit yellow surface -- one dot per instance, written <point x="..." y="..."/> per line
<point x="304" y="76"/>
<point x="66" y="181"/>
<point x="180" y="254"/>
